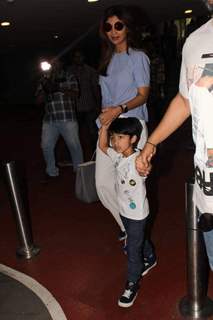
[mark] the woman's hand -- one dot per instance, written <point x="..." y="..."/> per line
<point x="109" y="114"/>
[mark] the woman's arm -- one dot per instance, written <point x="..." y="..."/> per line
<point x="110" y="113"/>
<point x="140" y="99"/>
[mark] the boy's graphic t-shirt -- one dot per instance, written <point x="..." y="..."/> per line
<point x="130" y="186"/>
<point x="196" y="84"/>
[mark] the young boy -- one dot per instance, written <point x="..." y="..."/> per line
<point x="123" y="135"/>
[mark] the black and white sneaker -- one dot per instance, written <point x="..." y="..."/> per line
<point x="122" y="235"/>
<point x="148" y="265"/>
<point x="128" y="297"/>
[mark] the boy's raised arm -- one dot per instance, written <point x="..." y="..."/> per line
<point x="103" y="142"/>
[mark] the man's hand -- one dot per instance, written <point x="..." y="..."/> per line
<point x="143" y="161"/>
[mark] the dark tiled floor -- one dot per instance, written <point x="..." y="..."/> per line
<point x="81" y="262"/>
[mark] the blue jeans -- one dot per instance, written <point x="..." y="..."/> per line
<point x="50" y="134"/>
<point x="208" y="238"/>
<point x="138" y="247"/>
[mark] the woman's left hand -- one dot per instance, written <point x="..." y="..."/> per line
<point x="109" y="114"/>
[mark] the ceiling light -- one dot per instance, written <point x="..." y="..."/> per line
<point x="5" y="24"/>
<point x="188" y="11"/>
<point x="92" y="0"/>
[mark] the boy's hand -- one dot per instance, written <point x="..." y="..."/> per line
<point x="109" y="114"/>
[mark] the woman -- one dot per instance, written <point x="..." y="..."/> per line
<point x="124" y="81"/>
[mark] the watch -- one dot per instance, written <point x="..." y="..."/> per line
<point x="124" y="108"/>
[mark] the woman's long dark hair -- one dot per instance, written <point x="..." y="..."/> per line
<point x="129" y="16"/>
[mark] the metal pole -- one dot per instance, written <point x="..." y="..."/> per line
<point x="195" y="304"/>
<point x="19" y="205"/>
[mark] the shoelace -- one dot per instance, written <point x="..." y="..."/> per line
<point x="127" y="293"/>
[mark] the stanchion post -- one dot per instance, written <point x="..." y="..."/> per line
<point x="20" y="208"/>
<point x="195" y="304"/>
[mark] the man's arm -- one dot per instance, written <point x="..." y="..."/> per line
<point x="72" y="86"/>
<point x="39" y="95"/>
<point x="177" y="112"/>
<point x="103" y="139"/>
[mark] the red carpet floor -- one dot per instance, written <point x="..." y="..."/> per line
<point x="81" y="262"/>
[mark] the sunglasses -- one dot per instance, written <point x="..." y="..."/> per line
<point x="117" y="26"/>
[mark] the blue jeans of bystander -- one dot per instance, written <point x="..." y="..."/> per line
<point x="50" y="134"/>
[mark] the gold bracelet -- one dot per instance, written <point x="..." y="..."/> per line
<point x="152" y="144"/>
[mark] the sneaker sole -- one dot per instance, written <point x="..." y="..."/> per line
<point x="123" y="238"/>
<point x="127" y="305"/>
<point x="65" y="165"/>
<point x="147" y="270"/>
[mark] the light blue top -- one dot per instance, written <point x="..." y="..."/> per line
<point x="125" y="73"/>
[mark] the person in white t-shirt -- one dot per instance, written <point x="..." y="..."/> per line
<point x="195" y="98"/>
<point x="118" y="141"/>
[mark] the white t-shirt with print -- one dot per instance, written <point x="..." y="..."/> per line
<point x="130" y="186"/>
<point x="195" y="79"/>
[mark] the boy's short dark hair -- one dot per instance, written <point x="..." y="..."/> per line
<point x="130" y="126"/>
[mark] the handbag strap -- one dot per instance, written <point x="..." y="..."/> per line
<point x="93" y="156"/>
